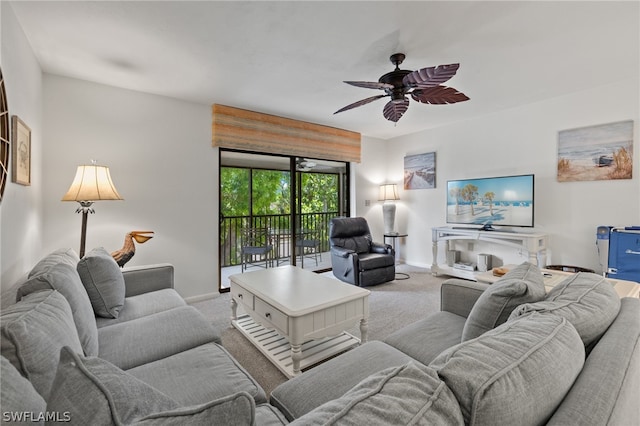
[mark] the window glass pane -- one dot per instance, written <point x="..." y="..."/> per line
<point x="319" y="193"/>
<point x="271" y="192"/>
<point x="234" y="191"/>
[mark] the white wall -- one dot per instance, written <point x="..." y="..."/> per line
<point x="517" y="141"/>
<point x="20" y="210"/>
<point x="369" y="174"/>
<point x="161" y="160"/>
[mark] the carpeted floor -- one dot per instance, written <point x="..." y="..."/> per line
<point x="391" y="306"/>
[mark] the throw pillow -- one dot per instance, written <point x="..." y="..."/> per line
<point x="94" y="391"/>
<point x="586" y="300"/>
<point x="517" y="373"/>
<point x="33" y="331"/>
<point x="408" y="394"/>
<point x="104" y="282"/>
<point x="18" y="395"/>
<point x="523" y="284"/>
<point x="64" y="278"/>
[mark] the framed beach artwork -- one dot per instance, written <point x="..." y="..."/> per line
<point x="21" y="152"/>
<point x="601" y="152"/>
<point x="420" y="171"/>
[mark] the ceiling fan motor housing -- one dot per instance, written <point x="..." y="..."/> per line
<point x="394" y="78"/>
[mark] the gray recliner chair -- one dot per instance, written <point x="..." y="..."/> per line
<point x="355" y="258"/>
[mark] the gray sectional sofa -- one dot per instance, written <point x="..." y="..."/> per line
<point x="89" y="344"/>
<point x="500" y="354"/>
<point x="157" y="361"/>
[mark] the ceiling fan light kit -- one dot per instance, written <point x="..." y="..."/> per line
<point x="423" y="85"/>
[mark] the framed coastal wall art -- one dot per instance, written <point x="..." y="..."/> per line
<point x="600" y="152"/>
<point x="420" y="171"/>
<point x="21" y="152"/>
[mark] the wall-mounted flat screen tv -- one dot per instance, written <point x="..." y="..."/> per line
<point x="501" y="201"/>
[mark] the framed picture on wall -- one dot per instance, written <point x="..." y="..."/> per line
<point x="21" y="152"/>
<point x="420" y="171"/>
<point x="601" y="152"/>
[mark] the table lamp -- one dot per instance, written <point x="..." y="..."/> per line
<point x="92" y="183"/>
<point x="388" y="194"/>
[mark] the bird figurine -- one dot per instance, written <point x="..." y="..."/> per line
<point x="127" y="251"/>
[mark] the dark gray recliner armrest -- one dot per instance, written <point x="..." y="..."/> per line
<point x="382" y="248"/>
<point x="342" y="252"/>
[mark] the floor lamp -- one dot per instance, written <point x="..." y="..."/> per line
<point x="388" y="194"/>
<point x="92" y="183"/>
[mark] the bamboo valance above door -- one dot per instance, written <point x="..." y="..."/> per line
<point x="240" y="129"/>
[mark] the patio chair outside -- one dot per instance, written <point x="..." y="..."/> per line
<point x="256" y="248"/>
<point x="308" y="245"/>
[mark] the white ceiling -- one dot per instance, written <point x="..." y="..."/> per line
<point x="290" y="58"/>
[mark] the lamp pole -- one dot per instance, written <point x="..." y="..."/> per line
<point x="85" y="208"/>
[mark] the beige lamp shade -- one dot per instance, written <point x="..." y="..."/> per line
<point x="92" y="183"/>
<point x="388" y="192"/>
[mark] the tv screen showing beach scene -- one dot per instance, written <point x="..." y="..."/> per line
<point x="501" y="201"/>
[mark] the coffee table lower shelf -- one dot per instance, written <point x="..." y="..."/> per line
<point x="278" y="350"/>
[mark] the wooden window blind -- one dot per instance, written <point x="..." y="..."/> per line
<point x="245" y="130"/>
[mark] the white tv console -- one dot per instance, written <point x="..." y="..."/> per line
<point x="535" y="244"/>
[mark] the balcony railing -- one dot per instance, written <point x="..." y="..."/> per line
<point x="315" y="224"/>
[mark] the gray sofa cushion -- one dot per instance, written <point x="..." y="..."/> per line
<point x="333" y="378"/>
<point x="268" y="415"/>
<point x="517" y="373"/>
<point x="17" y="395"/>
<point x="94" y="391"/>
<point x="523" y="284"/>
<point x="237" y="409"/>
<point x="411" y="394"/>
<point x="64" y="278"/>
<point x="606" y="391"/>
<point x="33" y="331"/>
<point x="62" y="255"/>
<point x="143" y="305"/>
<point x="154" y="337"/>
<point x="427" y="338"/>
<point x="102" y="277"/>
<point x="587" y="300"/>
<point x="198" y="375"/>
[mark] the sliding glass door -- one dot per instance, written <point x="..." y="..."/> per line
<point x="289" y="200"/>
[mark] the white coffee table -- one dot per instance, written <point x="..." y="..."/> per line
<point x="552" y="278"/>
<point x="297" y="318"/>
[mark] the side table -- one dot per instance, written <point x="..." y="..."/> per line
<point x="394" y="243"/>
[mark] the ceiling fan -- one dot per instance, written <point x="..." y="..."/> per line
<point x="424" y="86"/>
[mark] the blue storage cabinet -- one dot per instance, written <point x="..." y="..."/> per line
<point x="624" y="254"/>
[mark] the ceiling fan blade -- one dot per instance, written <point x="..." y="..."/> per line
<point x="431" y="76"/>
<point x="360" y="103"/>
<point x="438" y="95"/>
<point x="370" y="84"/>
<point x="394" y="110"/>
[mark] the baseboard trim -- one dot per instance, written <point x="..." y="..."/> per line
<point x="202" y="297"/>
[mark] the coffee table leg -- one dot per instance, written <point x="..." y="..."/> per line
<point x="364" y="329"/>
<point x="234" y="309"/>
<point x="296" y="355"/>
